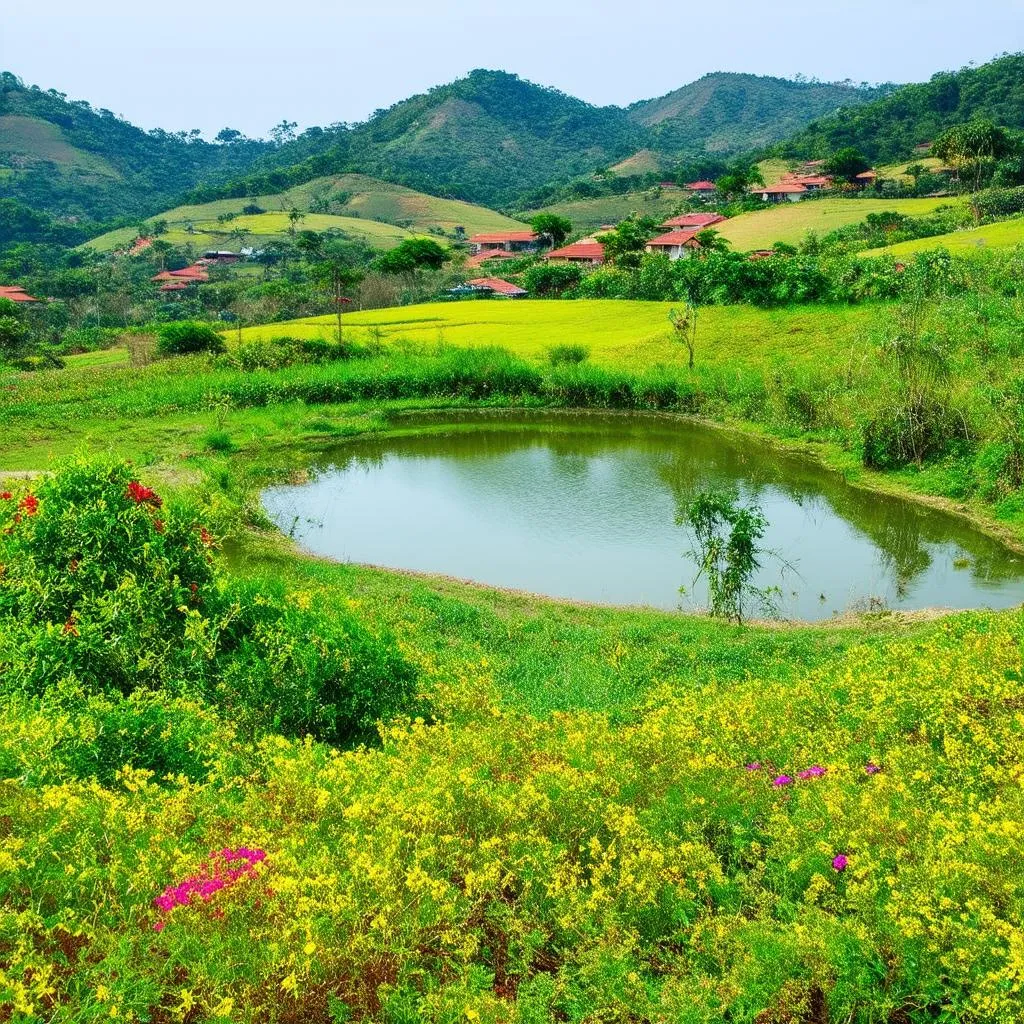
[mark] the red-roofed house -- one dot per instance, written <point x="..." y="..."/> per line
<point x="489" y="254"/>
<point x="15" y="293"/>
<point x="866" y="178"/>
<point x="508" y="241"/>
<point x="693" y="221"/>
<point x="781" y="192"/>
<point x="173" y="286"/>
<point x="189" y="275"/>
<point x="588" y="250"/>
<point x="701" y="189"/>
<point x="498" y="287"/>
<point x="675" y="244"/>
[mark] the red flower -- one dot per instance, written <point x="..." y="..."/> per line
<point x="142" y="495"/>
<point x="6" y="496"/>
<point x="206" y="537"/>
<point x="29" y="504"/>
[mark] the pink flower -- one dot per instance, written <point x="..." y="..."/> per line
<point x="754" y="766"/>
<point x="782" y="780"/>
<point x="159" y="926"/>
<point x="812" y="773"/>
<point x="839" y="862"/>
<point x="871" y="768"/>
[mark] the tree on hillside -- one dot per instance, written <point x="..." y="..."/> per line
<point x="684" y="321"/>
<point x="625" y="245"/>
<point x="973" y="148"/>
<point x="740" y="178"/>
<point x="294" y="216"/>
<point x="846" y="164"/>
<point x="413" y="254"/>
<point x="556" y="228"/>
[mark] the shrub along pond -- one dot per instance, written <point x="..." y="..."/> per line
<point x="584" y="507"/>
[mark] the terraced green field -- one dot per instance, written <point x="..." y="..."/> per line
<point x="363" y="207"/>
<point x="790" y="222"/>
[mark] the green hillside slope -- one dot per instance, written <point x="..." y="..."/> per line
<point x="789" y="222"/>
<point x="66" y="158"/>
<point x="376" y="212"/>
<point x="887" y="129"/>
<point x="589" y="214"/>
<point x="1001" y="235"/>
<point x="728" y="113"/>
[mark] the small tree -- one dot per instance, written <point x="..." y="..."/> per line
<point x="973" y="148"/>
<point x="846" y="163"/>
<point x="556" y="228"/>
<point x="411" y="255"/>
<point x="625" y="245"/>
<point x="727" y="552"/>
<point x="294" y="216"/>
<point x="685" y="323"/>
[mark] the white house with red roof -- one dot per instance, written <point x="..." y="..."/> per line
<point x="15" y="293"/>
<point x="676" y="245"/>
<point x="504" y="241"/>
<point x="490" y="286"/>
<point x="588" y="251"/>
<point x="781" y="192"/>
<point x="701" y="189"/>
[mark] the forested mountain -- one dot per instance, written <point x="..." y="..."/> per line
<point x="68" y="159"/>
<point x="729" y="113"/>
<point x="887" y="129"/>
<point x="494" y="138"/>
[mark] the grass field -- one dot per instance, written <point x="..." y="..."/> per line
<point x="361" y="206"/>
<point x="790" y="222"/>
<point x="633" y="335"/>
<point x="1001" y="235"/>
<point x="589" y="214"/>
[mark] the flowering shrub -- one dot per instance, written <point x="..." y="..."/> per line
<point x="104" y="587"/>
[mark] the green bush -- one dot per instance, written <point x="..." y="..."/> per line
<point x="289" y="668"/>
<point x="559" y="354"/>
<point x="187" y="336"/>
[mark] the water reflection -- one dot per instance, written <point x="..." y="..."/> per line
<point x="584" y="507"/>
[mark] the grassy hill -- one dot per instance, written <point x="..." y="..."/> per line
<point x="789" y="222"/>
<point x="66" y="158"/>
<point x="886" y="130"/>
<point x="729" y="113"/>
<point x="589" y="214"/>
<point x="375" y="211"/>
<point x="1001" y="235"/>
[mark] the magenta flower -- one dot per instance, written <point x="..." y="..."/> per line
<point x="839" y="862"/>
<point x="782" y="780"/>
<point x="216" y="875"/>
<point x="871" y="768"/>
<point x="812" y="773"/>
<point x="754" y="766"/>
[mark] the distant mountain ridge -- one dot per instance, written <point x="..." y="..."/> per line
<point x="886" y="129"/>
<point x="725" y="112"/>
<point x="69" y="159"/>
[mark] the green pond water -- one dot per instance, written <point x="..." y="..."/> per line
<point x="584" y="507"/>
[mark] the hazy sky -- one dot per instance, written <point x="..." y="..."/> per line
<point x="247" y="65"/>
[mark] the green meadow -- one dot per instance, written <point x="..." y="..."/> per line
<point x="790" y="222"/>
<point x="1000" y="235"/>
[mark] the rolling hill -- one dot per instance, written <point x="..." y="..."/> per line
<point x="789" y="222"/>
<point x="374" y="211"/>
<point x="66" y="158"/>
<point x="887" y="129"/>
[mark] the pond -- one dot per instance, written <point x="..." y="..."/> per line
<point x="584" y="507"/>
